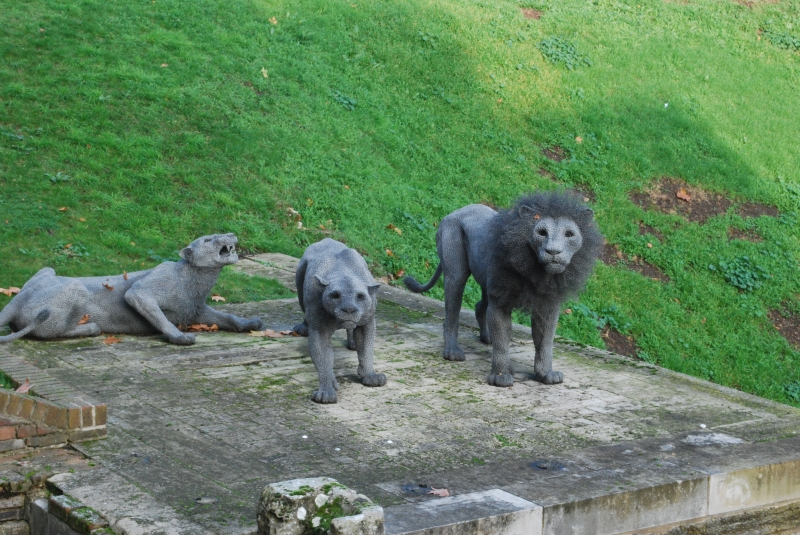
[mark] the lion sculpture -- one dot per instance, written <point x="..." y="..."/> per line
<point x="144" y="302"/>
<point x="337" y="291"/>
<point x="532" y="257"/>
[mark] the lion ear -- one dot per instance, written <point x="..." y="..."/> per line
<point x="373" y="289"/>
<point x="585" y="216"/>
<point x="187" y="253"/>
<point x="322" y="281"/>
<point x="528" y="211"/>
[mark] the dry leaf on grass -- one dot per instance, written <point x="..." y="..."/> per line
<point x="442" y="493"/>
<point x="84" y="319"/>
<point x="9" y="291"/>
<point x="112" y="340"/>
<point x="125" y="275"/>
<point x="389" y="252"/>
<point x="63" y="209"/>
<point x="683" y="195"/>
<point x="392" y="227"/>
<point x="217" y="297"/>
<point x="24" y="387"/>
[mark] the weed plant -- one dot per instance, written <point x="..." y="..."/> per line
<point x="128" y="128"/>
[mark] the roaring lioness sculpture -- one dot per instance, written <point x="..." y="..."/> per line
<point x="337" y="291"/>
<point x="531" y="257"/>
<point x="144" y="302"/>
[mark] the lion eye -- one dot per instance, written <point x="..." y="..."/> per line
<point x="362" y="296"/>
<point x="541" y="232"/>
<point x="335" y="295"/>
<point x="569" y="234"/>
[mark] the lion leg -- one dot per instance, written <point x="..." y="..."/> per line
<point x="228" y="322"/>
<point x="87" y="329"/>
<point x="301" y="328"/>
<point x="480" y="315"/>
<point x="454" y="282"/>
<point x="148" y="307"/>
<point x="351" y="340"/>
<point x="499" y="321"/>
<point x="364" y="338"/>
<point x="544" y="319"/>
<point x="319" y="345"/>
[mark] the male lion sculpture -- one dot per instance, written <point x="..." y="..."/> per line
<point x="531" y="257"/>
<point x="144" y="302"/>
<point x="337" y="291"/>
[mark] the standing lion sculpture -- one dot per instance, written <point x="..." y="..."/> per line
<point x="144" y="302"/>
<point x="532" y="257"/>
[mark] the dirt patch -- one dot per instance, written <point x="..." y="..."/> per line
<point x="747" y="235"/>
<point x="645" y="229"/>
<point x="754" y="209"/>
<point x="584" y="193"/>
<point x="789" y="327"/>
<point x="611" y="255"/>
<point x="529" y="13"/>
<point x="547" y="174"/>
<point x="619" y="343"/>
<point x="557" y="153"/>
<point x="670" y="196"/>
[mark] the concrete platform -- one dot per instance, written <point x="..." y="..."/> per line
<point x="620" y="447"/>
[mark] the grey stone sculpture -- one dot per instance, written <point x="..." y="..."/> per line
<point x="531" y="257"/>
<point x="144" y="302"/>
<point x="337" y="291"/>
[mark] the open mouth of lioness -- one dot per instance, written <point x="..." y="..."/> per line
<point x="226" y="251"/>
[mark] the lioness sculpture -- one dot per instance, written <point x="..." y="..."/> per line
<point x="337" y="291"/>
<point x="531" y="257"/>
<point x="144" y="302"/>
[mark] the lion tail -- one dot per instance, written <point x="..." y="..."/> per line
<point x="415" y="286"/>
<point x="40" y="318"/>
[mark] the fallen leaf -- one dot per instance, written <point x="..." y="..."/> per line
<point x="389" y="252"/>
<point x="537" y="216"/>
<point x="112" y="340"/>
<point x="165" y="64"/>
<point x="134" y="244"/>
<point x="107" y="287"/>
<point x="269" y="333"/>
<point x="82" y="220"/>
<point x="84" y="319"/>
<point x="499" y="100"/>
<point x="217" y="297"/>
<point x="63" y="209"/>
<point x="309" y="202"/>
<point x="567" y="311"/>
<point x="201" y="327"/>
<point x="442" y="493"/>
<point x="400" y="273"/>
<point x="264" y="72"/>
<point x="273" y="20"/>
<point x="427" y="264"/>
<point x="9" y="291"/>
<point x="683" y="195"/>
<point x="24" y="387"/>
<point x="579" y="140"/>
<point x="345" y="187"/>
<point x="392" y="227"/>
<point x="649" y="245"/>
<point x="125" y="275"/>
<point x="289" y="333"/>
<point x="322" y="227"/>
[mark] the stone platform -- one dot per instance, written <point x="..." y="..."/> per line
<point x="620" y="447"/>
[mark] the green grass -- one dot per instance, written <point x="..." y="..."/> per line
<point x="240" y="288"/>
<point x="359" y="115"/>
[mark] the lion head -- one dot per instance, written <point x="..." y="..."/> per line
<point x="212" y="251"/>
<point x="347" y="298"/>
<point x="550" y="239"/>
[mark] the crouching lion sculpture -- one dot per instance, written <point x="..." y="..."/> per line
<point x="531" y="257"/>
<point x="144" y="302"/>
<point x="337" y="291"/>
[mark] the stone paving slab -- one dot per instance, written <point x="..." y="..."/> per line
<point x="219" y="420"/>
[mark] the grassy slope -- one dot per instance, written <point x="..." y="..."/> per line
<point x="453" y="102"/>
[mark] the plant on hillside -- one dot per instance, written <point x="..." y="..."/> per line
<point x="559" y="50"/>
<point x="742" y="273"/>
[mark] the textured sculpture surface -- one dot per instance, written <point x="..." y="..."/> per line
<point x="144" y="302"/>
<point x="532" y="257"/>
<point x="337" y="291"/>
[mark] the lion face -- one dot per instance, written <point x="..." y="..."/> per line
<point x="212" y="251"/>
<point x="348" y="299"/>
<point x="555" y="240"/>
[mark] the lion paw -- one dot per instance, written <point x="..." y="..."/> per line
<point x="374" y="379"/>
<point x="350" y="344"/>
<point x="301" y="329"/>
<point x="253" y="324"/>
<point x="324" y="395"/>
<point x="501" y="379"/>
<point x="455" y="354"/>
<point x="182" y="339"/>
<point x="550" y="378"/>
<point x="486" y="339"/>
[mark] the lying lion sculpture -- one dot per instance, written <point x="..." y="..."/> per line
<point x="337" y="291"/>
<point x="531" y="257"/>
<point x="144" y="302"/>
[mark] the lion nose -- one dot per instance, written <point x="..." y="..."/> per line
<point x="349" y="310"/>
<point x="553" y="250"/>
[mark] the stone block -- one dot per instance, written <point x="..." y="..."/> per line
<point x="5" y="396"/>
<point x="47" y="440"/>
<point x="14" y="402"/>
<point x="62" y="506"/>
<point x="754" y="487"/>
<point x="26" y="407"/>
<point x="25" y="431"/>
<point x="302" y="506"/>
<point x="39" y="412"/>
<point x="100" y="415"/>
<point x="11" y="514"/>
<point x="39" y="517"/>
<point x="87" y="418"/>
<point x="8" y="432"/>
<point x="86" y="520"/>
<point x="9" y="445"/>
<point x="74" y="417"/>
<point x="78" y="435"/>
<point x="493" y="511"/>
<point x="17" y="527"/>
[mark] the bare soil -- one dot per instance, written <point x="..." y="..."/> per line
<point x="645" y="229"/>
<point x="547" y="174"/>
<point x="619" y="343"/>
<point x="584" y="192"/>
<point x="612" y="255"/>
<point x="747" y="235"/>
<point x="529" y="13"/>
<point x="557" y="153"/>
<point x="789" y="327"/>
<point x="674" y="196"/>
